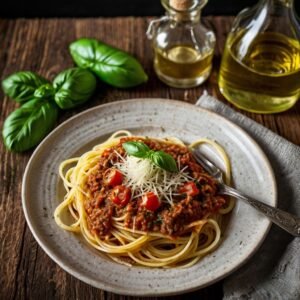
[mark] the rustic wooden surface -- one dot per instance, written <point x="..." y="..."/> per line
<point x="41" y="45"/>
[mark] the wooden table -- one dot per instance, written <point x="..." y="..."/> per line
<point x="41" y="45"/>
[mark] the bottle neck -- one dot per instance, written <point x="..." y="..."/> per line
<point x="187" y="11"/>
<point x="185" y="16"/>
<point x="282" y="12"/>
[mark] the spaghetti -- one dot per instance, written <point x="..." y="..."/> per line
<point x="138" y="213"/>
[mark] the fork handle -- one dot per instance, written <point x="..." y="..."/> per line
<point x="285" y="220"/>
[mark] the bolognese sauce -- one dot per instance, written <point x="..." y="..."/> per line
<point x="110" y="197"/>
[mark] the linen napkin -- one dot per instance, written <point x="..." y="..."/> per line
<point x="274" y="271"/>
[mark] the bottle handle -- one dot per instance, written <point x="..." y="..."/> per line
<point x="153" y="26"/>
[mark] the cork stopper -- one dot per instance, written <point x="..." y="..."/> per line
<point x="181" y="5"/>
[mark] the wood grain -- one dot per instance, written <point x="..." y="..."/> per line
<point x="41" y="45"/>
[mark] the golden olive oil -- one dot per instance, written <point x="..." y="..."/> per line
<point x="261" y="77"/>
<point x="182" y="66"/>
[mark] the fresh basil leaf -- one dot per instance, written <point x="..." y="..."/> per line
<point x="84" y="52"/>
<point x="137" y="149"/>
<point x="164" y="161"/>
<point x="28" y="125"/>
<point x="112" y="65"/>
<point x="21" y="86"/>
<point x="73" y="87"/>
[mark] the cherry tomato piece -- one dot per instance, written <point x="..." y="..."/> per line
<point x="120" y="195"/>
<point x="190" y="189"/>
<point x="150" y="201"/>
<point x="112" y="177"/>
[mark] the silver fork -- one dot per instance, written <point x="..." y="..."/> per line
<point x="285" y="220"/>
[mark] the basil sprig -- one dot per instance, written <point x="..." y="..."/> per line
<point x="41" y="100"/>
<point x="159" y="158"/>
<point x="29" y="124"/>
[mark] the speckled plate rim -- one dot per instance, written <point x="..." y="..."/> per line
<point x="125" y="291"/>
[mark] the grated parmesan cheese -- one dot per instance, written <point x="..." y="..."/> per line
<point x="142" y="176"/>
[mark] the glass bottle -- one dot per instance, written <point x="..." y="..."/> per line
<point x="183" y="47"/>
<point x="260" y="68"/>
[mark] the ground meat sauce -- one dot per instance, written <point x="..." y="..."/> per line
<point x="170" y="220"/>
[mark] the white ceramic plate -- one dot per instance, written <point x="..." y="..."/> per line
<point x="42" y="191"/>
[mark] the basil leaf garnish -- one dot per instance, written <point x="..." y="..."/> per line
<point x="110" y="64"/>
<point x="21" y="86"/>
<point x="164" y="161"/>
<point x="159" y="158"/>
<point x="137" y="149"/>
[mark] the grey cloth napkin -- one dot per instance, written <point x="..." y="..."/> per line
<point x="274" y="271"/>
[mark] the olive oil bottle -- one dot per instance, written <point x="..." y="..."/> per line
<point x="260" y="70"/>
<point x="183" y="48"/>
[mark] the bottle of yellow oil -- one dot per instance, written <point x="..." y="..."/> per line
<point x="183" y="47"/>
<point x="260" y="68"/>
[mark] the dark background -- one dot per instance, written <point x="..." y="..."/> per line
<point x="110" y="8"/>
